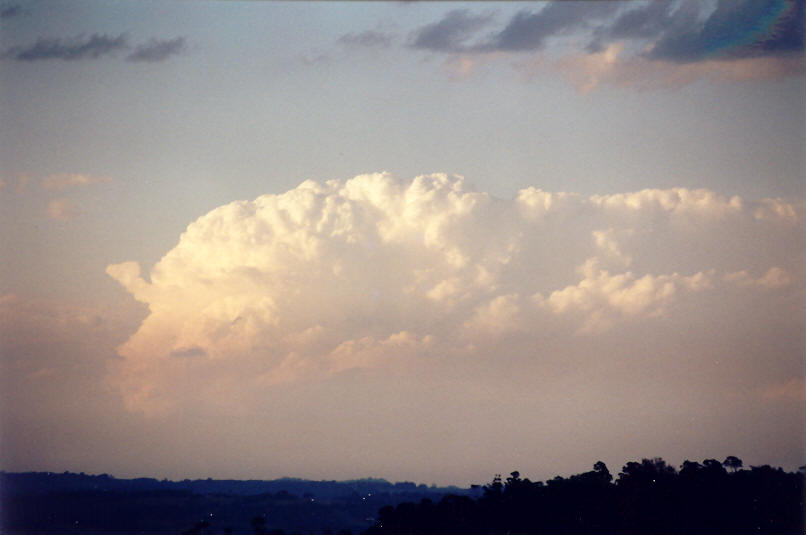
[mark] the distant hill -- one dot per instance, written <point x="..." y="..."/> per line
<point x="49" y="502"/>
<point x="49" y="482"/>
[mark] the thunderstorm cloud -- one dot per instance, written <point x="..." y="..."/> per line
<point x="376" y="274"/>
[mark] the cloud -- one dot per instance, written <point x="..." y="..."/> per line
<point x="64" y="181"/>
<point x="367" y="38"/>
<point x="673" y="31"/>
<point x="451" y="33"/>
<point x="157" y="50"/>
<point x="604" y="299"/>
<point x="95" y="46"/>
<point x="375" y="274"/>
<point x="643" y="45"/>
<point x="8" y="11"/>
<point x="80" y="47"/>
<point x="734" y="30"/>
<point x="62" y="209"/>
<point x="529" y="30"/>
<point x="775" y="277"/>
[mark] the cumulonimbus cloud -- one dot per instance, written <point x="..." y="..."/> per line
<point x="372" y="272"/>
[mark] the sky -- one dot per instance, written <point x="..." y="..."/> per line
<point x="421" y="241"/>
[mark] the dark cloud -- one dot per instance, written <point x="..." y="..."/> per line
<point x="368" y="38"/>
<point x="81" y="47"/>
<point x="528" y="30"/>
<point x="679" y="31"/>
<point x="735" y="30"/>
<point x="648" y="20"/>
<point x="155" y="50"/>
<point x="451" y="33"/>
<point x="9" y="10"/>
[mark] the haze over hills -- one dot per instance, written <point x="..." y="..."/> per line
<point x="51" y="482"/>
<point x="49" y="502"/>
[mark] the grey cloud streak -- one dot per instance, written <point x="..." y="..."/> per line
<point x="155" y="50"/>
<point x="80" y="47"/>
<point x="368" y="38"/>
<point x="95" y="46"/>
<point x="450" y="33"/>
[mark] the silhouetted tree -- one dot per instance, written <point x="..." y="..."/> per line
<point x="732" y="462"/>
<point x="648" y="497"/>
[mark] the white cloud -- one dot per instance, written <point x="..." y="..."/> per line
<point x="680" y="201"/>
<point x="776" y="209"/>
<point x="500" y="315"/>
<point x="775" y="277"/>
<point x="372" y="273"/>
<point x="603" y="299"/>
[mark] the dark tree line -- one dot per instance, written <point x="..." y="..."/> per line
<point x="647" y="497"/>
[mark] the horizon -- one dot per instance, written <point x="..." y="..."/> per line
<point x="384" y="480"/>
<point x="408" y="240"/>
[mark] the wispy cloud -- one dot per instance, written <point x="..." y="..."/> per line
<point x="367" y="38"/>
<point x="95" y="46"/>
<point x="81" y="47"/>
<point x="156" y="50"/>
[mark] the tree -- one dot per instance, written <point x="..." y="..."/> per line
<point x="601" y="470"/>
<point x="732" y="462"/>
